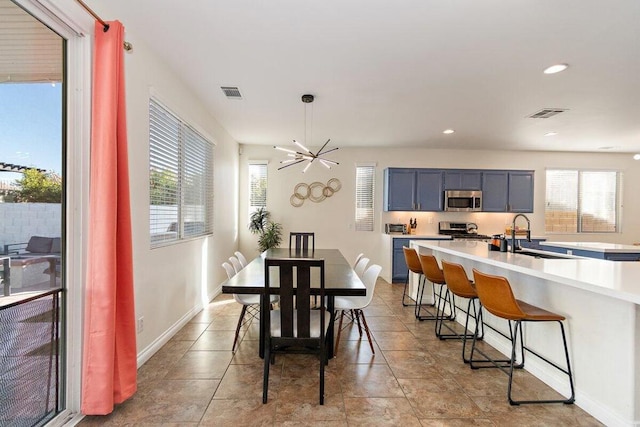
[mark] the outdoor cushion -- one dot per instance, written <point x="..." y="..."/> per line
<point x="55" y="245"/>
<point x="38" y="244"/>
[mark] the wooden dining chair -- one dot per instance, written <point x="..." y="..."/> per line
<point x="295" y="327"/>
<point x="301" y="241"/>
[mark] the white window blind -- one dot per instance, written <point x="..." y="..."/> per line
<point x="581" y="201"/>
<point x="365" y="177"/>
<point x="257" y="186"/>
<point x="180" y="178"/>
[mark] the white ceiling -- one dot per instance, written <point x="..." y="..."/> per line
<point x="397" y="73"/>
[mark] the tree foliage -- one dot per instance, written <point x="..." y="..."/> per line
<point x="163" y="187"/>
<point x="39" y="187"/>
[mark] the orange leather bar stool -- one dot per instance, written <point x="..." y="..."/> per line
<point x="497" y="298"/>
<point x="434" y="274"/>
<point x="459" y="285"/>
<point x="413" y="266"/>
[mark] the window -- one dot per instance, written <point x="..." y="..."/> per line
<point x="257" y="186"/>
<point x="581" y="201"/>
<point x="365" y="177"/>
<point x="180" y="178"/>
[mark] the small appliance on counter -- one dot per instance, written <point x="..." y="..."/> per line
<point x="498" y="243"/>
<point x="461" y="230"/>
<point x="395" y="229"/>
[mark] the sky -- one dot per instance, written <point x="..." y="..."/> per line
<point x="31" y="126"/>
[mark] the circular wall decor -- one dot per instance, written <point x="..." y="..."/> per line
<point x="316" y="191"/>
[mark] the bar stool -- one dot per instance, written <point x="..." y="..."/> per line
<point x="459" y="285"/>
<point x="433" y="273"/>
<point x="497" y="298"/>
<point x="413" y="266"/>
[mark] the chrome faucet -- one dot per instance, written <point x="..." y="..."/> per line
<point x="513" y="231"/>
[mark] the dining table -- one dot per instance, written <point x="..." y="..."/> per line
<point x="340" y="280"/>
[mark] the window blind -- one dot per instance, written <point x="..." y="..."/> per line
<point x="581" y="201"/>
<point x="257" y="186"/>
<point x="180" y="178"/>
<point x="365" y="177"/>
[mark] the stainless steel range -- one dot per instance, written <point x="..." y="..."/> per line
<point x="461" y="230"/>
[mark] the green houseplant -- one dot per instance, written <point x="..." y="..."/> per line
<point x="269" y="232"/>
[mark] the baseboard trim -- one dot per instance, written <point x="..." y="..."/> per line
<point x="147" y="352"/>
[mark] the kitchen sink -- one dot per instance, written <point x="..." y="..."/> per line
<point x="545" y="255"/>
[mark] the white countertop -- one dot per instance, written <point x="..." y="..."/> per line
<point x="614" y="279"/>
<point x="595" y="247"/>
<point x="420" y="236"/>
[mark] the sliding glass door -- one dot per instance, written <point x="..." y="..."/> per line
<point x="32" y="208"/>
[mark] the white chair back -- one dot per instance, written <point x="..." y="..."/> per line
<point x="229" y="269"/>
<point x="235" y="263"/>
<point x="241" y="258"/>
<point x="357" y="259"/>
<point x="361" y="266"/>
<point x="369" y="279"/>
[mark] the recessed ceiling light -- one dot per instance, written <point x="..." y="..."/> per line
<point x="448" y="131"/>
<point x="551" y="134"/>
<point x="636" y="157"/>
<point x="556" y="68"/>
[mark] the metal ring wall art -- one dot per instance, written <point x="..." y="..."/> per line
<point x="316" y="191"/>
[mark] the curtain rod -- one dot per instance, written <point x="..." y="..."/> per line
<point x="105" y="27"/>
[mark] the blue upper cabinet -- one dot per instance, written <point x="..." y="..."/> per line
<point x="520" y="191"/>
<point x="413" y="189"/>
<point x="495" y="187"/>
<point x="400" y="189"/>
<point x="429" y="195"/>
<point x="409" y="189"/>
<point x="462" y="179"/>
<point x="507" y="191"/>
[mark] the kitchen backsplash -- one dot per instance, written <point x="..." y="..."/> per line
<point x="488" y="222"/>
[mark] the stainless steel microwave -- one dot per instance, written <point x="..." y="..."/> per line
<point x="462" y="201"/>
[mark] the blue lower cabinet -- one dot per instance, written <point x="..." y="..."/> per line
<point x="399" y="271"/>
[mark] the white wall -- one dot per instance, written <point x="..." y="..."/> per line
<point x="333" y="219"/>
<point x="171" y="282"/>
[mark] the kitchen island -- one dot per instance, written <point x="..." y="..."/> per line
<point x="609" y="251"/>
<point x="600" y="301"/>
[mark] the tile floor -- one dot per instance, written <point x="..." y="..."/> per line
<point x="414" y="379"/>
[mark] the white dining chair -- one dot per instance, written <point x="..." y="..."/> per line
<point x="353" y="306"/>
<point x="241" y="258"/>
<point x="360" y="255"/>
<point x="250" y="305"/>
<point x="235" y="263"/>
<point x="361" y="266"/>
<point x="229" y="269"/>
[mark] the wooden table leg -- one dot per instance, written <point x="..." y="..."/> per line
<point x="330" y="309"/>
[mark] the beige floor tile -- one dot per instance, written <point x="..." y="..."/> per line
<point x="201" y="365"/>
<point x="413" y="378"/>
<point x="371" y="411"/>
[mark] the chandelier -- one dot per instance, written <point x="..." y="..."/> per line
<point x="306" y="155"/>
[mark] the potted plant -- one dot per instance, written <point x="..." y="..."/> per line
<point x="270" y="233"/>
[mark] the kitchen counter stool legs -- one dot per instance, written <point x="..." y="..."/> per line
<point x="497" y="297"/>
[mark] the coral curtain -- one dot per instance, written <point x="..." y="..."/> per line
<point x="109" y="349"/>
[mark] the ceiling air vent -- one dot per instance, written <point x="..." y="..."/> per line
<point x="231" y="92"/>
<point x="545" y="113"/>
